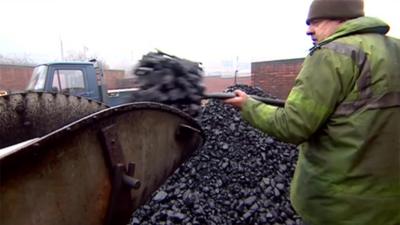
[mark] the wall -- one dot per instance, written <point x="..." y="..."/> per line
<point x="276" y="77"/>
<point x="113" y="78"/>
<point x="218" y="83"/>
<point x="16" y="77"/>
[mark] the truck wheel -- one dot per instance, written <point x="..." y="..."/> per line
<point x="24" y="116"/>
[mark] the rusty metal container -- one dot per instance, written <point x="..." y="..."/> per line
<point x="96" y="170"/>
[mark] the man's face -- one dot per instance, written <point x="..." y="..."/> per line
<point x="320" y="29"/>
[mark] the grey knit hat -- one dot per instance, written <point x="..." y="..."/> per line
<point x="335" y="9"/>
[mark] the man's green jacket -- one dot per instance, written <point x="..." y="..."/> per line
<point x="344" y="110"/>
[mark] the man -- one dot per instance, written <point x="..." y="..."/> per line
<point x="344" y="110"/>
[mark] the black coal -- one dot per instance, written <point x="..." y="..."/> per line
<point x="240" y="176"/>
<point x="170" y="80"/>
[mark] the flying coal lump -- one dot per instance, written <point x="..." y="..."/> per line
<point x="170" y="80"/>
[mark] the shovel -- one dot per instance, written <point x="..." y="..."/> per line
<point x="223" y="96"/>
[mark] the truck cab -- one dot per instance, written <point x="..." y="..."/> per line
<point x="83" y="79"/>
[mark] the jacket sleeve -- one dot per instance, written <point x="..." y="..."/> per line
<point x="317" y="90"/>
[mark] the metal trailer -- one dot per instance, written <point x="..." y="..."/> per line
<point x="94" y="170"/>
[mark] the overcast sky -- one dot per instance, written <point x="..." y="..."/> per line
<point x="210" y="31"/>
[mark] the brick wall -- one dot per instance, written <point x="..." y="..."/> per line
<point x="276" y="77"/>
<point x="218" y="83"/>
<point x="112" y="78"/>
<point x="16" y="77"/>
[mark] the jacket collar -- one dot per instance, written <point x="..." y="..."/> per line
<point x="356" y="26"/>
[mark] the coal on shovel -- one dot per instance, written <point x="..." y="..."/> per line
<point x="176" y="81"/>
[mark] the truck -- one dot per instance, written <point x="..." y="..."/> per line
<point x="84" y="79"/>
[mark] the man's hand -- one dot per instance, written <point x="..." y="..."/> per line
<point x="239" y="100"/>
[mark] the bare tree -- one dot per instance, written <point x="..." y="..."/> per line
<point x="17" y="60"/>
<point x="83" y="56"/>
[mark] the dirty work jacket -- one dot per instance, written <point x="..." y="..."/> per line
<point x="344" y="110"/>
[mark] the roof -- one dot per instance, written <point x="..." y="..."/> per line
<point x="66" y="63"/>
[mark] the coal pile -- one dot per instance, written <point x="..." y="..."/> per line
<point x="170" y="80"/>
<point x="240" y="176"/>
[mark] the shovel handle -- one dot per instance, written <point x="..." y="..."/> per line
<point x="269" y="101"/>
